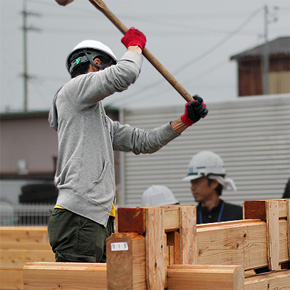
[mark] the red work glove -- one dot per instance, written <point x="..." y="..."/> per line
<point x="134" y="37"/>
<point x="194" y="110"/>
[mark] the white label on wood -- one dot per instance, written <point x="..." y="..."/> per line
<point x="122" y="246"/>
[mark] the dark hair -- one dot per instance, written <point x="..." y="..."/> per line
<point x="81" y="69"/>
<point x="218" y="189"/>
<point x="87" y="56"/>
<point x="286" y="193"/>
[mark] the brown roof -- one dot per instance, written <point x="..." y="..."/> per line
<point x="279" y="45"/>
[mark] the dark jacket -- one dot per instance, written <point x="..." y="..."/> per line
<point x="223" y="212"/>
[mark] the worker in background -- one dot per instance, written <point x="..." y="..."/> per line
<point x="83" y="216"/>
<point x="158" y="195"/>
<point x="286" y="193"/>
<point x="207" y="176"/>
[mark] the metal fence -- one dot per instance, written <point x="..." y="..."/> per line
<point x="25" y="215"/>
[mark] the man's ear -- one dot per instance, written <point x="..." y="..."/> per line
<point x="214" y="183"/>
<point x="92" y="68"/>
<point x="97" y="61"/>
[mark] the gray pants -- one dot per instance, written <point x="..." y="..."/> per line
<point x="74" y="238"/>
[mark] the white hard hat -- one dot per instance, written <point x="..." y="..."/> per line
<point x="158" y="195"/>
<point x="203" y="164"/>
<point x="92" y="45"/>
<point x="211" y="165"/>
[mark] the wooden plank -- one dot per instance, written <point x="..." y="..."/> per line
<point x="288" y="227"/>
<point x="155" y="248"/>
<point x="256" y="209"/>
<point x="205" y="277"/>
<point x="68" y="276"/>
<point x="284" y="241"/>
<point x="269" y="281"/>
<point x="16" y="259"/>
<point x="188" y="237"/>
<point x="131" y="220"/>
<point x="272" y="216"/>
<point x="238" y="243"/>
<point x="226" y="243"/>
<point x="172" y="217"/>
<point x="24" y="238"/>
<point x="283" y="208"/>
<point x="126" y="260"/>
<point x="11" y="279"/>
<point x="134" y="219"/>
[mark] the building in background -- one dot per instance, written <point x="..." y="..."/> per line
<point x="28" y="156"/>
<point x="251" y="134"/>
<point x="250" y="66"/>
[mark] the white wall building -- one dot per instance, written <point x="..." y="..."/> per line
<point x="251" y="134"/>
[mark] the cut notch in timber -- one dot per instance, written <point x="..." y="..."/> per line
<point x="170" y="237"/>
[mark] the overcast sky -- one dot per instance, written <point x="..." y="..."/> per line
<point x="193" y="39"/>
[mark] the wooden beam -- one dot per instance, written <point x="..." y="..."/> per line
<point x="233" y="243"/>
<point x="205" y="277"/>
<point x="288" y="227"/>
<point x="283" y="241"/>
<point x="256" y="209"/>
<point x="126" y="260"/>
<point x="11" y="279"/>
<point x="238" y="243"/>
<point x="29" y="238"/>
<point x="269" y="281"/>
<point x="272" y="216"/>
<point x="134" y="219"/>
<point x="15" y="259"/>
<point x="155" y="248"/>
<point x="188" y="237"/>
<point x="131" y="220"/>
<point x="172" y="217"/>
<point x="69" y="276"/>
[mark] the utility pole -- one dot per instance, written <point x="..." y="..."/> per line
<point x="25" y="73"/>
<point x="265" y="62"/>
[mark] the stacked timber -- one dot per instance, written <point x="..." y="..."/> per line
<point x="19" y="245"/>
<point x="162" y="247"/>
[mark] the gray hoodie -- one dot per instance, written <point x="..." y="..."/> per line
<point x="87" y="138"/>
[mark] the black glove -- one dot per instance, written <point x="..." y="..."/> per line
<point x="194" y="110"/>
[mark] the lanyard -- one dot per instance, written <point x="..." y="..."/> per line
<point x="220" y="214"/>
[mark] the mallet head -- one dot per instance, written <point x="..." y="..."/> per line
<point x="64" y="2"/>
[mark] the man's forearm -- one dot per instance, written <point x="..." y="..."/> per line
<point x="178" y="126"/>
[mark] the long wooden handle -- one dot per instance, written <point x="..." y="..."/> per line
<point x="100" y="5"/>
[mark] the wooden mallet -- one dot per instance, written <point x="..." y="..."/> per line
<point x="100" y="5"/>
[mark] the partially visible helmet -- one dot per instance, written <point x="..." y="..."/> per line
<point x="205" y="163"/>
<point x="88" y="50"/>
<point x="158" y="195"/>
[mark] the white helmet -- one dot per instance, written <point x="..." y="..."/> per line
<point x="211" y="165"/>
<point x="88" y="50"/>
<point x="158" y="195"/>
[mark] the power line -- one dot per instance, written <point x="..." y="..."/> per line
<point x="217" y="45"/>
<point x="209" y="51"/>
<point x="26" y="76"/>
